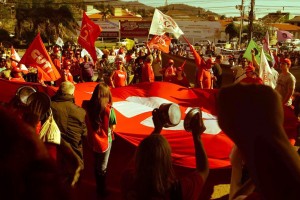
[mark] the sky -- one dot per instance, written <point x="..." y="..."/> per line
<point x="227" y="7"/>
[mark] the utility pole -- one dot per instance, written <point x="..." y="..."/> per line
<point x="241" y="8"/>
<point x="251" y="18"/>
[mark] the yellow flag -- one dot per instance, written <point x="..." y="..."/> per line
<point x="129" y="44"/>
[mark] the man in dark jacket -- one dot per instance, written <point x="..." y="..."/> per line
<point x="70" y="119"/>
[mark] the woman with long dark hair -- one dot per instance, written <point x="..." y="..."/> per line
<point x="101" y="122"/>
<point x="153" y="176"/>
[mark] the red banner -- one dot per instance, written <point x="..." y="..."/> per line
<point x="160" y="42"/>
<point x="88" y="35"/>
<point x="37" y="56"/>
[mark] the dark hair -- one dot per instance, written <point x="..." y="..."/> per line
<point x="154" y="171"/>
<point x="101" y="97"/>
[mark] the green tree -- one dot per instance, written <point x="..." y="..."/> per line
<point x="232" y="30"/>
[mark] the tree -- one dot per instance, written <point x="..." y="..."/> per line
<point x="232" y="30"/>
<point x="259" y="31"/>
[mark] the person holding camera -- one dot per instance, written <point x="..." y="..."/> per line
<point x="153" y="176"/>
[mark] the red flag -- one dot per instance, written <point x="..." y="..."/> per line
<point x="37" y="56"/>
<point x="88" y="35"/>
<point x="160" y="42"/>
<point x="134" y="104"/>
<point x="198" y="59"/>
<point x="15" y="59"/>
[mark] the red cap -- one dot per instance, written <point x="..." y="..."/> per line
<point x="288" y="61"/>
<point x="179" y="69"/>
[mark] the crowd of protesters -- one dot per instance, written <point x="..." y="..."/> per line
<point x="97" y="117"/>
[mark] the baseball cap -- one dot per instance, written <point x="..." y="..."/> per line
<point x="288" y="61"/>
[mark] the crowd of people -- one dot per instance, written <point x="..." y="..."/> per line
<point x="264" y="163"/>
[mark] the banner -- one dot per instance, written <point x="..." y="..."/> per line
<point x="160" y="42"/>
<point x="37" y="56"/>
<point x="257" y="49"/>
<point x="162" y="23"/>
<point x="15" y="59"/>
<point x="265" y="72"/>
<point x="266" y="42"/>
<point x="88" y="35"/>
<point x="134" y="29"/>
<point x="59" y="42"/>
<point x="283" y="35"/>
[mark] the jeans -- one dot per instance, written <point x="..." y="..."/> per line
<point x="101" y="160"/>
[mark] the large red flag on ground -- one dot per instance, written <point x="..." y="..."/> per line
<point x="134" y="105"/>
<point x="160" y="42"/>
<point x="37" y="56"/>
<point x="88" y="35"/>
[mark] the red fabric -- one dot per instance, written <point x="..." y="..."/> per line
<point x="37" y="56"/>
<point x="147" y="73"/>
<point x="119" y="78"/>
<point x="290" y="124"/>
<point x="250" y="80"/>
<point x="88" y="34"/>
<point x="198" y="59"/>
<point x="99" y="139"/>
<point x="204" y="76"/>
<point x="160" y="42"/>
<point x="218" y="146"/>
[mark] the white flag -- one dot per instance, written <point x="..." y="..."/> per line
<point x="59" y="42"/>
<point x="266" y="42"/>
<point x="162" y="23"/>
<point x="265" y="72"/>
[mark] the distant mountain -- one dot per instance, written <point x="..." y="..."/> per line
<point x="135" y="6"/>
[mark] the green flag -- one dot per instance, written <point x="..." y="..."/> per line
<point x="257" y="49"/>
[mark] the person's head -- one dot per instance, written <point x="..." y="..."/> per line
<point x="119" y="64"/>
<point x="67" y="64"/>
<point x="219" y="58"/>
<point x="244" y="62"/>
<point x="16" y="72"/>
<point x="101" y="97"/>
<point x="256" y="107"/>
<point x="179" y="71"/>
<point x="171" y="62"/>
<point x="104" y="57"/>
<point x="154" y="170"/>
<point x="26" y="168"/>
<point x="285" y="64"/>
<point x="86" y="58"/>
<point x="56" y="49"/>
<point x="231" y="60"/>
<point x="67" y="87"/>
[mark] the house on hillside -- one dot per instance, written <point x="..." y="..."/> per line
<point x="277" y="17"/>
<point x="295" y="21"/>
